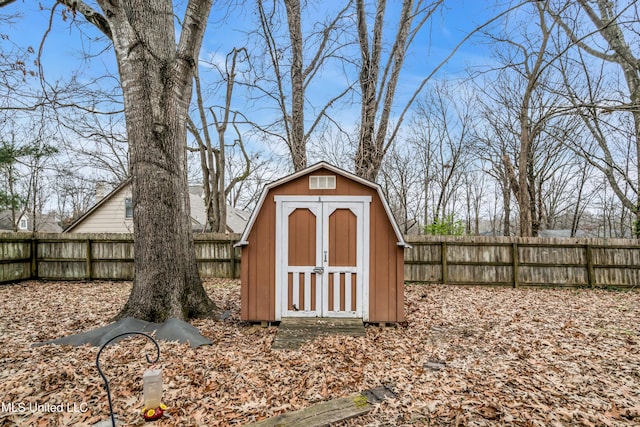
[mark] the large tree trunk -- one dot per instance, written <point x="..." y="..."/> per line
<point x="368" y="159"/>
<point x="378" y="95"/>
<point x="297" y="142"/>
<point x="526" y="186"/>
<point x="156" y="83"/>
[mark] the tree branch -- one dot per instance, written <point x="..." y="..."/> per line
<point x="90" y="14"/>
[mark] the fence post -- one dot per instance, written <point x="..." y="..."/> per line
<point x="34" y="257"/>
<point x="445" y="272"/>
<point x="590" y="276"/>
<point x="89" y="258"/>
<point x="232" y="260"/>
<point x="516" y="278"/>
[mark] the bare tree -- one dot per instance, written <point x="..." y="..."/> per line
<point x="217" y="184"/>
<point x="475" y="188"/>
<point x="441" y="139"/>
<point x="583" y="197"/>
<point x="11" y="198"/>
<point x="529" y="58"/>
<point x="156" y="76"/>
<point x="533" y="65"/>
<point x="95" y="142"/>
<point x="291" y="73"/>
<point x="606" y="30"/>
<point x="401" y="181"/>
<point x="22" y="168"/>
<point x="16" y="68"/>
<point x="379" y="75"/>
<point x="80" y="115"/>
<point x="74" y="196"/>
<point x="496" y="146"/>
<point x="247" y="193"/>
<point x="420" y="140"/>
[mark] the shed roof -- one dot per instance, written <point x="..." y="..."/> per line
<point x="320" y="165"/>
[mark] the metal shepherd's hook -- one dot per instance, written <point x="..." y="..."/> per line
<point x="106" y="382"/>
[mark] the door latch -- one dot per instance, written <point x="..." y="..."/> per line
<point x="318" y="270"/>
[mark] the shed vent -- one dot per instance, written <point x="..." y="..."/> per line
<point x="323" y="182"/>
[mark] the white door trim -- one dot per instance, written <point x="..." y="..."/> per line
<point x="360" y="206"/>
<point x="357" y="209"/>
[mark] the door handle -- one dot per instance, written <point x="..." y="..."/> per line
<point x="318" y="270"/>
<point x="325" y="256"/>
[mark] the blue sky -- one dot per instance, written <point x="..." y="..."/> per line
<point x="63" y="44"/>
<point x="63" y="50"/>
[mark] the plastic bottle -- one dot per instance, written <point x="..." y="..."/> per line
<point x="152" y="388"/>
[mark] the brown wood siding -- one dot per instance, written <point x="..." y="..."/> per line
<point x="386" y="298"/>
<point x="245" y="300"/>
<point x="260" y="268"/>
<point x="400" y="284"/>
<point x="386" y="304"/>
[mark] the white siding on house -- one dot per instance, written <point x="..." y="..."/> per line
<point x="110" y="217"/>
<point x="109" y="214"/>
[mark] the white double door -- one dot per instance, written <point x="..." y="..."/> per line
<point x="322" y="256"/>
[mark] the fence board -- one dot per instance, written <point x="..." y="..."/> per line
<point x="62" y="270"/>
<point x="616" y="255"/>
<point x="15" y="256"/>
<point x="12" y="250"/>
<point x="15" y="271"/>
<point x="120" y="270"/>
<point x="469" y="273"/>
<point x="111" y="250"/>
<point x="552" y="275"/>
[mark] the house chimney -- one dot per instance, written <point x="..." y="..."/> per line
<point x="196" y="189"/>
<point x="101" y="190"/>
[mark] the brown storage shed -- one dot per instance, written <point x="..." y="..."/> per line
<point x="322" y="242"/>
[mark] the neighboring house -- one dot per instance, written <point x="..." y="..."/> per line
<point x="565" y="233"/>
<point x="6" y="222"/>
<point x="45" y="223"/>
<point x="113" y="213"/>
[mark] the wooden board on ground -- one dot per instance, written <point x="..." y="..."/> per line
<point x="295" y="331"/>
<point x="321" y="414"/>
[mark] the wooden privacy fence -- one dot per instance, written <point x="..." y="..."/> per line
<point x="100" y="256"/>
<point x="513" y="261"/>
<point x="500" y="261"/>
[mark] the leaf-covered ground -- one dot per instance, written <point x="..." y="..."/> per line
<point x="467" y="356"/>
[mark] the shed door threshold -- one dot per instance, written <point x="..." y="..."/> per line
<point x="296" y="331"/>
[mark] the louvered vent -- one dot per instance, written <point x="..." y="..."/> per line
<point x="322" y="182"/>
